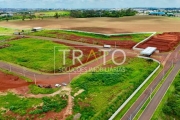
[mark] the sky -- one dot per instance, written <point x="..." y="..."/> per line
<point x="87" y="3"/>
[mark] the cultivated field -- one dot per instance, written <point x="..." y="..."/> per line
<point x="103" y="25"/>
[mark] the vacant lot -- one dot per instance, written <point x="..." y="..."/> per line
<point x="17" y="107"/>
<point x="32" y="53"/>
<point x="105" y="91"/>
<point x="103" y="25"/>
<point x="122" y="41"/>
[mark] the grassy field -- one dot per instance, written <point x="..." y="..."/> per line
<point x="28" y="108"/>
<point x="169" y="106"/>
<point x="6" y="30"/>
<point x="105" y="92"/>
<point x="66" y="34"/>
<point x="52" y="13"/>
<point x="34" y="53"/>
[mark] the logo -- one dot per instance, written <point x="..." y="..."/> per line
<point x="80" y="59"/>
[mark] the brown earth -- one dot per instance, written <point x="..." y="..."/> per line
<point x="103" y="25"/>
<point x="8" y="81"/>
<point x="127" y="44"/>
<point x="164" y="42"/>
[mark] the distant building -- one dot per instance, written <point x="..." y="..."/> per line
<point x="177" y="14"/>
<point x="157" y="13"/>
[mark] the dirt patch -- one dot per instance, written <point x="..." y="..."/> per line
<point x="128" y="44"/>
<point x="8" y="82"/>
<point x="164" y="42"/>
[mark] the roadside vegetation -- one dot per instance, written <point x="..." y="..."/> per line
<point x="131" y="102"/>
<point x="106" y="91"/>
<point x="62" y="34"/>
<point x="14" y="106"/>
<point x="36" y="54"/>
<point x="34" y="89"/>
<point x="169" y="106"/>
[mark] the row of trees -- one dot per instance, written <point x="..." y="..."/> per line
<point x="102" y="13"/>
<point x="22" y="16"/>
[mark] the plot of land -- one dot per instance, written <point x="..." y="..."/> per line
<point x="163" y="42"/>
<point x="39" y="54"/>
<point x="103" y="25"/>
<point x="122" y="41"/>
<point x="105" y="91"/>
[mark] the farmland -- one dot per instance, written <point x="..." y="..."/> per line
<point x="104" y="92"/>
<point x="103" y="24"/>
<point x="52" y="13"/>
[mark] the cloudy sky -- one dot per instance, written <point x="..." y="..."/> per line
<point x="87" y="3"/>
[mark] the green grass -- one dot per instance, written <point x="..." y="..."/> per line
<point x="6" y="30"/>
<point x="131" y="102"/>
<point x="37" y="90"/>
<point x="17" y="104"/>
<point x="134" y="37"/>
<point x="26" y="108"/>
<point x="4" y="37"/>
<point x="34" y="53"/>
<point x="171" y="92"/>
<point x="104" y="93"/>
<point x="52" y="13"/>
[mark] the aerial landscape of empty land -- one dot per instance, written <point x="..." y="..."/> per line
<point x="116" y="62"/>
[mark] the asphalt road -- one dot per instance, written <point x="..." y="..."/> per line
<point x="148" y="112"/>
<point x="136" y="106"/>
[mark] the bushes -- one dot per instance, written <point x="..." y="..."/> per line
<point x="55" y="104"/>
<point x="37" y="90"/>
<point x="172" y="106"/>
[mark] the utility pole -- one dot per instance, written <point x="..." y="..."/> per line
<point x="10" y="69"/>
<point x="69" y="77"/>
<point x="24" y="72"/>
<point x="35" y="79"/>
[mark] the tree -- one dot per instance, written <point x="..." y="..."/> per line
<point x="56" y="15"/>
<point x="23" y="16"/>
<point x="7" y="17"/>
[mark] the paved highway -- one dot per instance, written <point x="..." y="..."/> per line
<point x="136" y="106"/>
